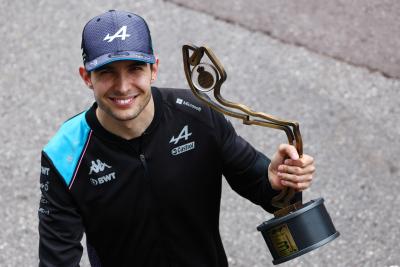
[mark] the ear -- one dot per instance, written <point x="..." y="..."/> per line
<point x="154" y="71"/>
<point x="85" y="77"/>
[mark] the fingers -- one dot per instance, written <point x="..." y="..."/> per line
<point x="302" y="162"/>
<point x="297" y="174"/>
<point x="298" y="170"/>
<point x="295" y="178"/>
<point x="297" y="182"/>
<point x="287" y="169"/>
<point x="288" y="151"/>
<point x="285" y="151"/>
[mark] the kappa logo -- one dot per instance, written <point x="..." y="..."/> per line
<point x="183" y="134"/>
<point x="98" y="166"/>
<point x="121" y="33"/>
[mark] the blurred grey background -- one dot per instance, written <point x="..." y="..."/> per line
<point x="333" y="66"/>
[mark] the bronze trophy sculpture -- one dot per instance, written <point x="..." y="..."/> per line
<point x="296" y="228"/>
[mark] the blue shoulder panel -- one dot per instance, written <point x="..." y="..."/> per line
<point x="65" y="148"/>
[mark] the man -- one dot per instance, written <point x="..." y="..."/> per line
<point x="139" y="172"/>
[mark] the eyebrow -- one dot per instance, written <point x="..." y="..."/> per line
<point x="137" y="63"/>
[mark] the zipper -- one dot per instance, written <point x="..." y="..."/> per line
<point x="143" y="160"/>
<point x="157" y="208"/>
<point x="141" y="155"/>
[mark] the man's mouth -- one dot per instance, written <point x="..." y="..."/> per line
<point x="122" y="101"/>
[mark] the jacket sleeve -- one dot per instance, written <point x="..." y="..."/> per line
<point x="245" y="168"/>
<point x="60" y="225"/>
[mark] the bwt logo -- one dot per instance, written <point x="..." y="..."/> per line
<point x="45" y="170"/>
<point x="104" y="179"/>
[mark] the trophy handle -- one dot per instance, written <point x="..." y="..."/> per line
<point x="203" y="77"/>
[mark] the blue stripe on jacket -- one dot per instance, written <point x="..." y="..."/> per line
<point x="65" y="148"/>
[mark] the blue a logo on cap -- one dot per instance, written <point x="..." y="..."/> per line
<point x="121" y="33"/>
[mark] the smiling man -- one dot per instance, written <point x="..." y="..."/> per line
<point x="140" y="172"/>
<point x="123" y="94"/>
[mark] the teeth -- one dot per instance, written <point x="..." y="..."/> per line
<point x="123" y="101"/>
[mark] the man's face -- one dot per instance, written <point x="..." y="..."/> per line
<point x="122" y="89"/>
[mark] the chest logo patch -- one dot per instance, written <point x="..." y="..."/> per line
<point x="104" y="179"/>
<point x="98" y="166"/>
<point x="184" y="134"/>
<point x="180" y="101"/>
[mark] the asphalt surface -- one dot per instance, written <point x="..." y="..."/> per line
<point x="360" y="32"/>
<point x="348" y="115"/>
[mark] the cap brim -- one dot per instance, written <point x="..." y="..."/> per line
<point x="124" y="55"/>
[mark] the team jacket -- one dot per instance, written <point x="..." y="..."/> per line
<point x="150" y="201"/>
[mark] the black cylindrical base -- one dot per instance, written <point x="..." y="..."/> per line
<point x="298" y="232"/>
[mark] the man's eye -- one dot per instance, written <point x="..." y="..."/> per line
<point x="138" y="68"/>
<point x="105" y="71"/>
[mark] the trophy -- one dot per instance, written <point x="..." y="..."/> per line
<point x="296" y="228"/>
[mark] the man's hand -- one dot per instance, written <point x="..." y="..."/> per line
<point x="288" y="170"/>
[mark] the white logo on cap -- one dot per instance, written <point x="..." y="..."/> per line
<point x="121" y="33"/>
<point x="93" y="63"/>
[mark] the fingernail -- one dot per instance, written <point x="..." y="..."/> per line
<point x="280" y="168"/>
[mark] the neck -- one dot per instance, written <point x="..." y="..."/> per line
<point x="128" y="129"/>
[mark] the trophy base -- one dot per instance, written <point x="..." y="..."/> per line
<point x="298" y="232"/>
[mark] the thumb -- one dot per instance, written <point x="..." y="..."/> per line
<point x="288" y="151"/>
<point x="284" y="151"/>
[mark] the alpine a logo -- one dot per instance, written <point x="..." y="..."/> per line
<point x="121" y="33"/>
<point x="98" y="166"/>
<point x="184" y="134"/>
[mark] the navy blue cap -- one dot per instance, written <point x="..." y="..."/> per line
<point x="116" y="35"/>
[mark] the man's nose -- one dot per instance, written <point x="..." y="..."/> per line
<point x="124" y="83"/>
